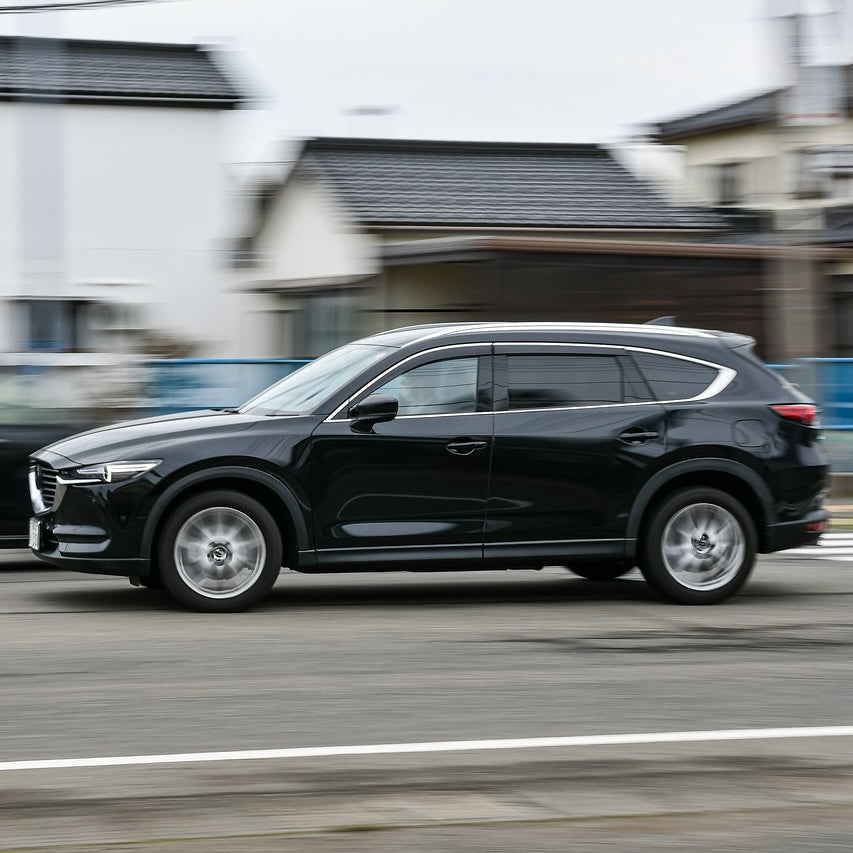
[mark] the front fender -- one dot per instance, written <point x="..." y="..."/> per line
<point x="230" y="472"/>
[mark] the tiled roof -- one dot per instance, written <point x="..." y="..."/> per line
<point x="125" y="72"/>
<point x="758" y="109"/>
<point x="504" y="185"/>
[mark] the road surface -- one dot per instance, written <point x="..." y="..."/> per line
<point x="416" y="671"/>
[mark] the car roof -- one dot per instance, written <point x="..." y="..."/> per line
<point x="616" y="333"/>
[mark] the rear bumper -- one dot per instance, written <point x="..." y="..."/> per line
<point x="793" y="534"/>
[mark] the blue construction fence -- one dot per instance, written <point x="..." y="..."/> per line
<point x="183" y="384"/>
<point x="829" y="381"/>
<point x="196" y="383"/>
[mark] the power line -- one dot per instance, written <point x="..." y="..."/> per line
<point x="58" y="6"/>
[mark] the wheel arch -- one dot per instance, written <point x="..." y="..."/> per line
<point x="729" y="476"/>
<point x="265" y="488"/>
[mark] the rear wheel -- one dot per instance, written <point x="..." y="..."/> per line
<point x="699" y="546"/>
<point x="220" y="551"/>
<point x="605" y="571"/>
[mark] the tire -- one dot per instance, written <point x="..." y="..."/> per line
<point x="699" y="546"/>
<point x="604" y="571"/>
<point x="220" y="552"/>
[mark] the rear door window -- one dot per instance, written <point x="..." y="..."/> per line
<point x="544" y="381"/>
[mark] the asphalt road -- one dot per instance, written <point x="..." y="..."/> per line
<point x="92" y="667"/>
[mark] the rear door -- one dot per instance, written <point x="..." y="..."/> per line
<point x="575" y="435"/>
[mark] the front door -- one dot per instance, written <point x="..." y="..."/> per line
<point x="411" y="490"/>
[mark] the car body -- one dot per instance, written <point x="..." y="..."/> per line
<point x="455" y="446"/>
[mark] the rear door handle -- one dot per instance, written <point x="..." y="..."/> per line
<point x="466" y="446"/>
<point x="637" y="435"/>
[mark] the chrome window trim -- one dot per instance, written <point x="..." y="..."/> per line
<point x="376" y="379"/>
<point x="725" y="376"/>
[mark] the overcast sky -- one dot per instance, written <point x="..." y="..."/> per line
<point x="540" y="70"/>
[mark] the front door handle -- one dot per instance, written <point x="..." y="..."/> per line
<point x="466" y="446"/>
<point x="637" y="435"/>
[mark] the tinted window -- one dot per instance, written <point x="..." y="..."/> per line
<point x="437" y="388"/>
<point x="547" y="381"/>
<point x="674" y="378"/>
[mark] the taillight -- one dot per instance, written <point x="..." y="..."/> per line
<point x="799" y="413"/>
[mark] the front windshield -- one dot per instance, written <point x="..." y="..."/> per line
<point x="304" y="389"/>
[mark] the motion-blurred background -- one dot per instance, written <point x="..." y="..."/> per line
<point x="197" y="195"/>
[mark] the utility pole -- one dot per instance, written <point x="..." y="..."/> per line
<point x="813" y="97"/>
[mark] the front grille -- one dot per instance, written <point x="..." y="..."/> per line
<point x="46" y="481"/>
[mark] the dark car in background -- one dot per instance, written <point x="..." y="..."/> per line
<point x="22" y="432"/>
<point x="459" y="447"/>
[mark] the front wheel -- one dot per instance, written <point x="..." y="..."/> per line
<point x="699" y="546"/>
<point x="220" y="551"/>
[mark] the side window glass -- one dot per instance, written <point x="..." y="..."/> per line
<point x="436" y="388"/>
<point x="674" y="378"/>
<point x="551" y="381"/>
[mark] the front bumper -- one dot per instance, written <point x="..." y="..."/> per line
<point x="92" y="527"/>
<point x="96" y="566"/>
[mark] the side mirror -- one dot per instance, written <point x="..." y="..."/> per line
<point x="372" y="410"/>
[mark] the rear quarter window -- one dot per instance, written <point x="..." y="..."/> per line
<point x="674" y="378"/>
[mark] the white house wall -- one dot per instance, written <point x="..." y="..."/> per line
<point x="308" y="235"/>
<point x="9" y="219"/>
<point x="761" y="149"/>
<point x="141" y="197"/>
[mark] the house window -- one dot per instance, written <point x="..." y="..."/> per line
<point x="68" y="325"/>
<point x="825" y="172"/>
<point x="729" y="183"/>
<point x="54" y="324"/>
<point x="328" y="320"/>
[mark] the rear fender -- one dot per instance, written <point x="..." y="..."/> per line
<point x="658" y="483"/>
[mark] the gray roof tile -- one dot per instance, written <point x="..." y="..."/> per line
<point x="406" y="182"/>
<point x="120" y="71"/>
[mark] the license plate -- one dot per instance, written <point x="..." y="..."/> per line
<point x="35" y="534"/>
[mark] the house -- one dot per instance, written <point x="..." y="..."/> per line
<point x="367" y="234"/>
<point x="796" y="178"/>
<point x="114" y="215"/>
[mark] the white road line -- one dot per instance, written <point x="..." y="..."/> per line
<point x="434" y="746"/>
<point x="830" y="546"/>
<point x="814" y="551"/>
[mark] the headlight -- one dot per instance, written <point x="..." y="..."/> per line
<point x="112" y="472"/>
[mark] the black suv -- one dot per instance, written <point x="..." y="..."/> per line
<point x="457" y="446"/>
